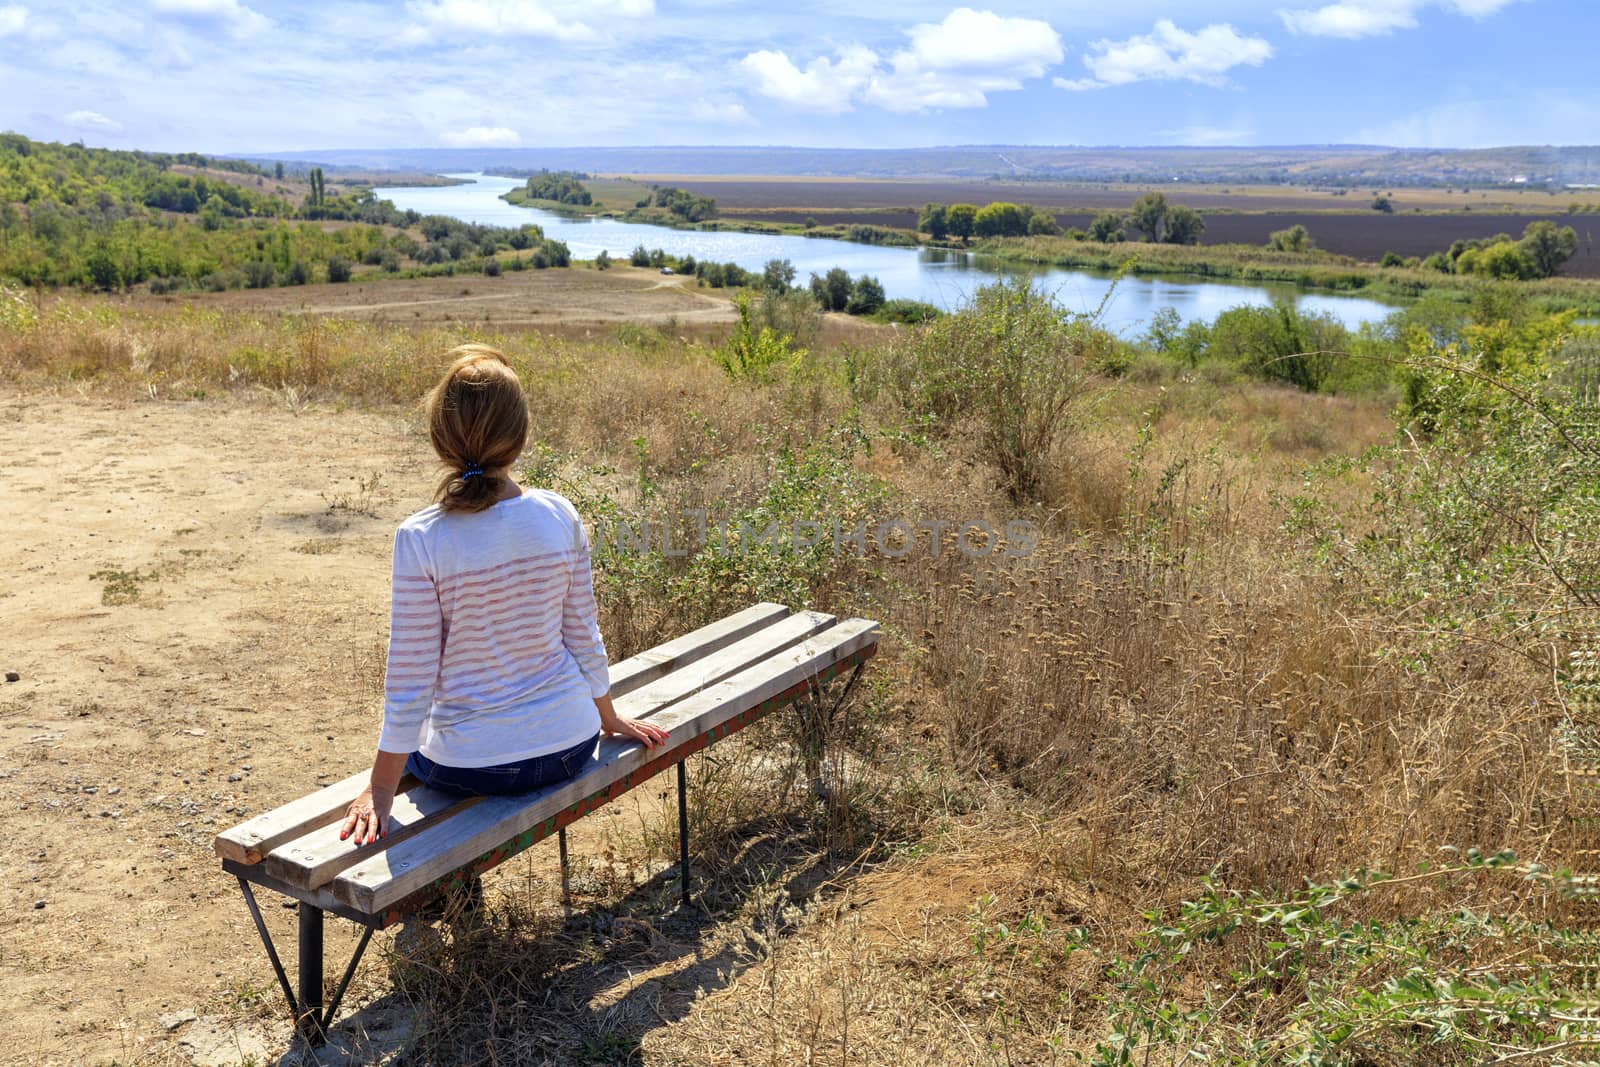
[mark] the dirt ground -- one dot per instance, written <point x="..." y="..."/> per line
<point x="195" y="603"/>
<point x="572" y="298"/>
<point x="195" y="600"/>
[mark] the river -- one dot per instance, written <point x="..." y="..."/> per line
<point x="944" y="278"/>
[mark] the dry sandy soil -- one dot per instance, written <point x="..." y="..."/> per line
<point x="195" y="602"/>
<point x="196" y="606"/>
<point x="576" y="298"/>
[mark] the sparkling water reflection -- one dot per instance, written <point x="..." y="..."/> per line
<point x="937" y="276"/>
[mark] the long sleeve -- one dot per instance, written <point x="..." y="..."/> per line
<point x="580" y="617"/>
<point x="416" y="638"/>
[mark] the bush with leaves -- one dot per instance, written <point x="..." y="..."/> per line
<point x="1013" y="364"/>
<point x="753" y="350"/>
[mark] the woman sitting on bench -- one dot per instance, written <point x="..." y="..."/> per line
<point x="496" y="679"/>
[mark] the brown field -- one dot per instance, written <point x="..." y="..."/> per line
<point x="1365" y="235"/>
<point x="820" y="194"/>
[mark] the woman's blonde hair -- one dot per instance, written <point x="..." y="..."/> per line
<point x="478" y="423"/>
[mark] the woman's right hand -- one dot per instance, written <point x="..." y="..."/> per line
<point x="638" y="729"/>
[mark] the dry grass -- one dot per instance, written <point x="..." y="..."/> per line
<point x="1162" y="690"/>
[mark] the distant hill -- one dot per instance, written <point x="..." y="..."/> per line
<point x="1337" y="165"/>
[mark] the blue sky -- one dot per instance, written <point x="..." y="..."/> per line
<point x="253" y="75"/>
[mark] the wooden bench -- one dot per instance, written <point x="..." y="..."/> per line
<point x="701" y="687"/>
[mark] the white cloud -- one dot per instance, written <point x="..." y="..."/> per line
<point x="13" y="19"/>
<point x="1351" y="19"/>
<point x="236" y="16"/>
<point x="954" y="63"/>
<point x="721" y="112"/>
<point x="1354" y="19"/>
<point x="824" y="85"/>
<point x="1170" y="54"/>
<point x="563" y="20"/>
<point x="982" y="40"/>
<point x="482" y="137"/>
<point x="90" y="120"/>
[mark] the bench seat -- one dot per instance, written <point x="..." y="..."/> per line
<point x="700" y="687"/>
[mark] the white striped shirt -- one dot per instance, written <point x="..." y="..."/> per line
<point x="495" y="652"/>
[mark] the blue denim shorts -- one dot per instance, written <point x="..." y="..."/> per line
<point x="504" y="779"/>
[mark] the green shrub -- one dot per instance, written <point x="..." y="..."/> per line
<point x="1013" y="364"/>
<point x="338" y="269"/>
<point x="754" y="351"/>
<point x="1278" y="343"/>
<point x="259" y="275"/>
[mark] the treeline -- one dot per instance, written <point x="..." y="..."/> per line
<point x="1544" y="247"/>
<point x="678" y="203"/>
<point x="1151" y="218"/>
<point x="834" y="291"/>
<point x="109" y="219"/>
<point x="999" y="219"/>
<point x="561" y="186"/>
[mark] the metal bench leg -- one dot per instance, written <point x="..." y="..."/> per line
<point x="566" y="885"/>
<point x="683" y="831"/>
<point x="308" y="1021"/>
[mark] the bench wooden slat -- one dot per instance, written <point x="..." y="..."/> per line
<point x="651" y="664"/>
<point x="314" y="858"/>
<point x="252" y="840"/>
<point x="311" y="860"/>
<point x="441" y="848"/>
<point x="649" y="700"/>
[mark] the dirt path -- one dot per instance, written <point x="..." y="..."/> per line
<point x="194" y="597"/>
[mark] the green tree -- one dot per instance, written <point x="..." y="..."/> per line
<point x="1295" y="239"/>
<point x="933" y="221"/>
<point x="1000" y="219"/>
<point x="1149" y="216"/>
<point x="1043" y="224"/>
<point x="1383" y="203"/>
<point x="1184" y="226"/>
<point x="777" y="276"/>
<point x="833" y="289"/>
<point x="1548" y="246"/>
<point x="1505" y="260"/>
<point x="1108" y="227"/>
<point x="866" y="296"/>
<point x="338" y="269"/>
<point x="961" y="219"/>
<point x="102" y="268"/>
<point x="602" y="260"/>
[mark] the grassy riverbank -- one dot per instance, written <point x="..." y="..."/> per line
<point x="1308" y="270"/>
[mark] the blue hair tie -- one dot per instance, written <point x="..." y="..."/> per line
<point x="472" y="471"/>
